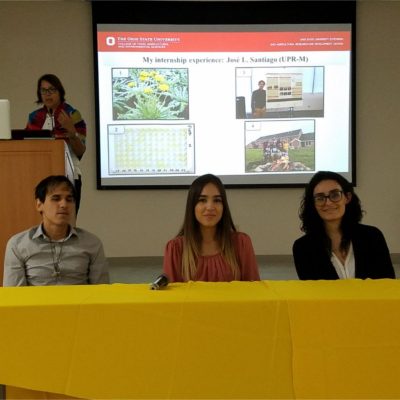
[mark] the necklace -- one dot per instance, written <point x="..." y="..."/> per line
<point x="56" y="259"/>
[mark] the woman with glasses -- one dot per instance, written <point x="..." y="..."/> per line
<point x="336" y="245"/>
<point x="62" y="119"/>
<point x="208" y="247"/>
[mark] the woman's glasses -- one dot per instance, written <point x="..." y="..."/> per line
<point x="334" y="196"/>
<point x="48" y="91"/>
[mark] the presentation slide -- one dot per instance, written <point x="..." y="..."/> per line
<point x="256" y="105"/>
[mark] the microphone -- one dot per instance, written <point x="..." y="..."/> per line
<point x="51" y="118"/>
<point x="160" y="282"/>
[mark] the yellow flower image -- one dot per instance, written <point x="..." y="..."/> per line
<point x="163" y="87"/>
<point x="144" y="76"/>
<point x="159" y="78"/>
<point x="151" y="93"/>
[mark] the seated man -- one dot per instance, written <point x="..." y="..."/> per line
<point x="55" y="252"/>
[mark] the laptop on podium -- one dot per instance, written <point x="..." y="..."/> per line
<point x="20" y="134"/>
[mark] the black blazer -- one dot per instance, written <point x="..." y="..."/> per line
<point x="371" y="255"/>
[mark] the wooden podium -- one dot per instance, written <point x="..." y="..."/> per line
<point x="23" y="164"/>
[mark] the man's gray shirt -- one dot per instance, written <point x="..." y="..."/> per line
<point x="32" y="259"/>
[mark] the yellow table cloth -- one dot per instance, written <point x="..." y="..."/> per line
<point x="196" y="340"/>
<point x="345" y="338"/>
<point x="248" y="340"/>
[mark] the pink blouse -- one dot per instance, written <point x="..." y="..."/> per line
<point x="213" y="268"/>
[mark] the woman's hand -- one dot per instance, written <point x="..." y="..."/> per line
<point x="66" y="122"/>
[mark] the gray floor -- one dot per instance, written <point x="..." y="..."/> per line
<point x="146" y="269"/>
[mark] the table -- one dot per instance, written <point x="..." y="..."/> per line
<point x="253" y="340"/>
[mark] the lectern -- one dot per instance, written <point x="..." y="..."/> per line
<point x="23" y="163"/>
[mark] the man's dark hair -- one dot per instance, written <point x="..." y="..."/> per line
<point x="47" y="184"/>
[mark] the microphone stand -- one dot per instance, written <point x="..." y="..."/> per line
<point x="51" y="120"/>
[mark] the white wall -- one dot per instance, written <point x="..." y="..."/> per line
<point x="38" y="37"/>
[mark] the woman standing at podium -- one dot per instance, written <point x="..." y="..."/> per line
<point x="63" y="120"/>
<point x="208" y="247"/>
<point x="336" y="245"/>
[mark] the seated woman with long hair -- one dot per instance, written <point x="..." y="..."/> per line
<point x="336" y="245"/>
<point x="208" y="247"/>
